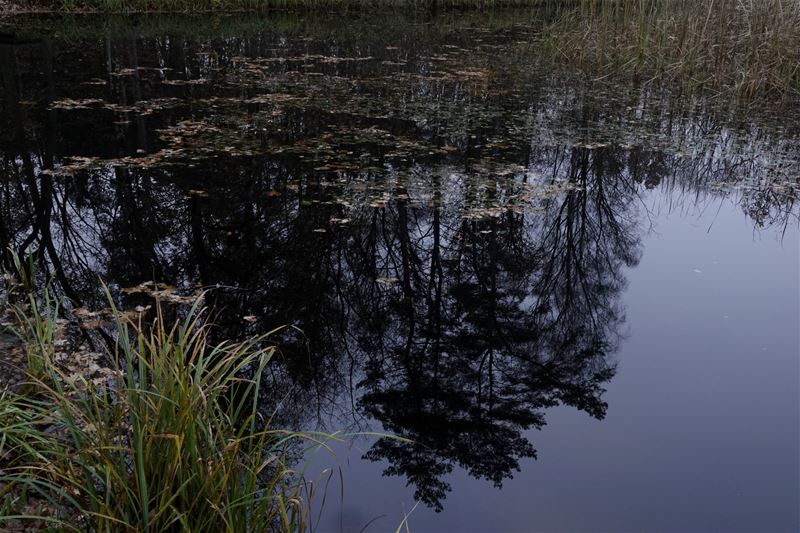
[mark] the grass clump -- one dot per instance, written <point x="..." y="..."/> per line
<point x="743" y="48"/>
<point x="170" y="440"/>
<point x="37" y="318"/>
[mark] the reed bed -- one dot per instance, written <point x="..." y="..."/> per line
<point x="171" y="439"/>
<point x="731" y="48"/>
<point x="132" y="6"/>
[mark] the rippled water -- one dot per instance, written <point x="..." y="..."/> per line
<point x="493" y="257"/>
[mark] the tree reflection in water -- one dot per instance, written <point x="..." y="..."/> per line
<point x="451" y="247"/>
<point x="495" y="320"/>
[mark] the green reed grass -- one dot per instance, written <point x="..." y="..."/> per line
<point x="21" y="440"/>
<point x="743" y="48"/>
<point x="172" y="440"/>
<point x="26" y="450"/>
<point x="38" y="318"/>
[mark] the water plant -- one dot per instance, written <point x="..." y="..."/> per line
<point x="37" y="317"/>
<point x="724" y="47"/>
<point x="171" y="439"/>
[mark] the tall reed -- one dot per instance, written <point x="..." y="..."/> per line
<point x="742" y="48"/>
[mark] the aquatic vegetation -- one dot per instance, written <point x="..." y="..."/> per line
<point x="169" y="436"/>
<point x="748" y="49"/>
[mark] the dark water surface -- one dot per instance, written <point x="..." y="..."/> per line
<point x="577" y="300"/>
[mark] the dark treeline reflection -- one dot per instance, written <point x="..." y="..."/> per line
<point x="448" y="230"/>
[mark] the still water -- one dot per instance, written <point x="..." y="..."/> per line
<point x="578" y="301"/>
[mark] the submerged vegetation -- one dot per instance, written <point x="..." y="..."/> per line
<point x="169" y="436"/>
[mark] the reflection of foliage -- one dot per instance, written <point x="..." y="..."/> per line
<point x="510" y="316"/>
<point x="453" y="275"/>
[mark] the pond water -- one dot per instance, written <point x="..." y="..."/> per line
<point x="577" y="301"/>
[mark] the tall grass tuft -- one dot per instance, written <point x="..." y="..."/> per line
<point x="171" y="440"/>
<point x="741" y="48"/>
<point x="38" y="319"/>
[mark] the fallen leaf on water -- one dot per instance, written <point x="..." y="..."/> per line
<point x="69" y="103"/>
<point x="83" y="313"/>
<point x="147" y="287"/>
<point x="591" y="146"/>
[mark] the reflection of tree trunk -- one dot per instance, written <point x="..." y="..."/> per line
<point x="372" y="245"/>
<point x="493" y="297"/>
<point x="47" y="189"/>
<point x="136" y="82"/>
<point x="47" y="241"/>
<point x="436" y="280"/>
<point x="8" y="74"/>
<point x="198" y="241"/>
<point x="135" y="233"/>
<point x="433" y="8"/>
<point x="41" y="193"/>
<point x="108" y="59"/>
<point x="435" y="283"/>
<point x="405" y="254"/>
<point x="12" y="111"/>
<point x="176" y="58"/>
<point x="50" y="144"/>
